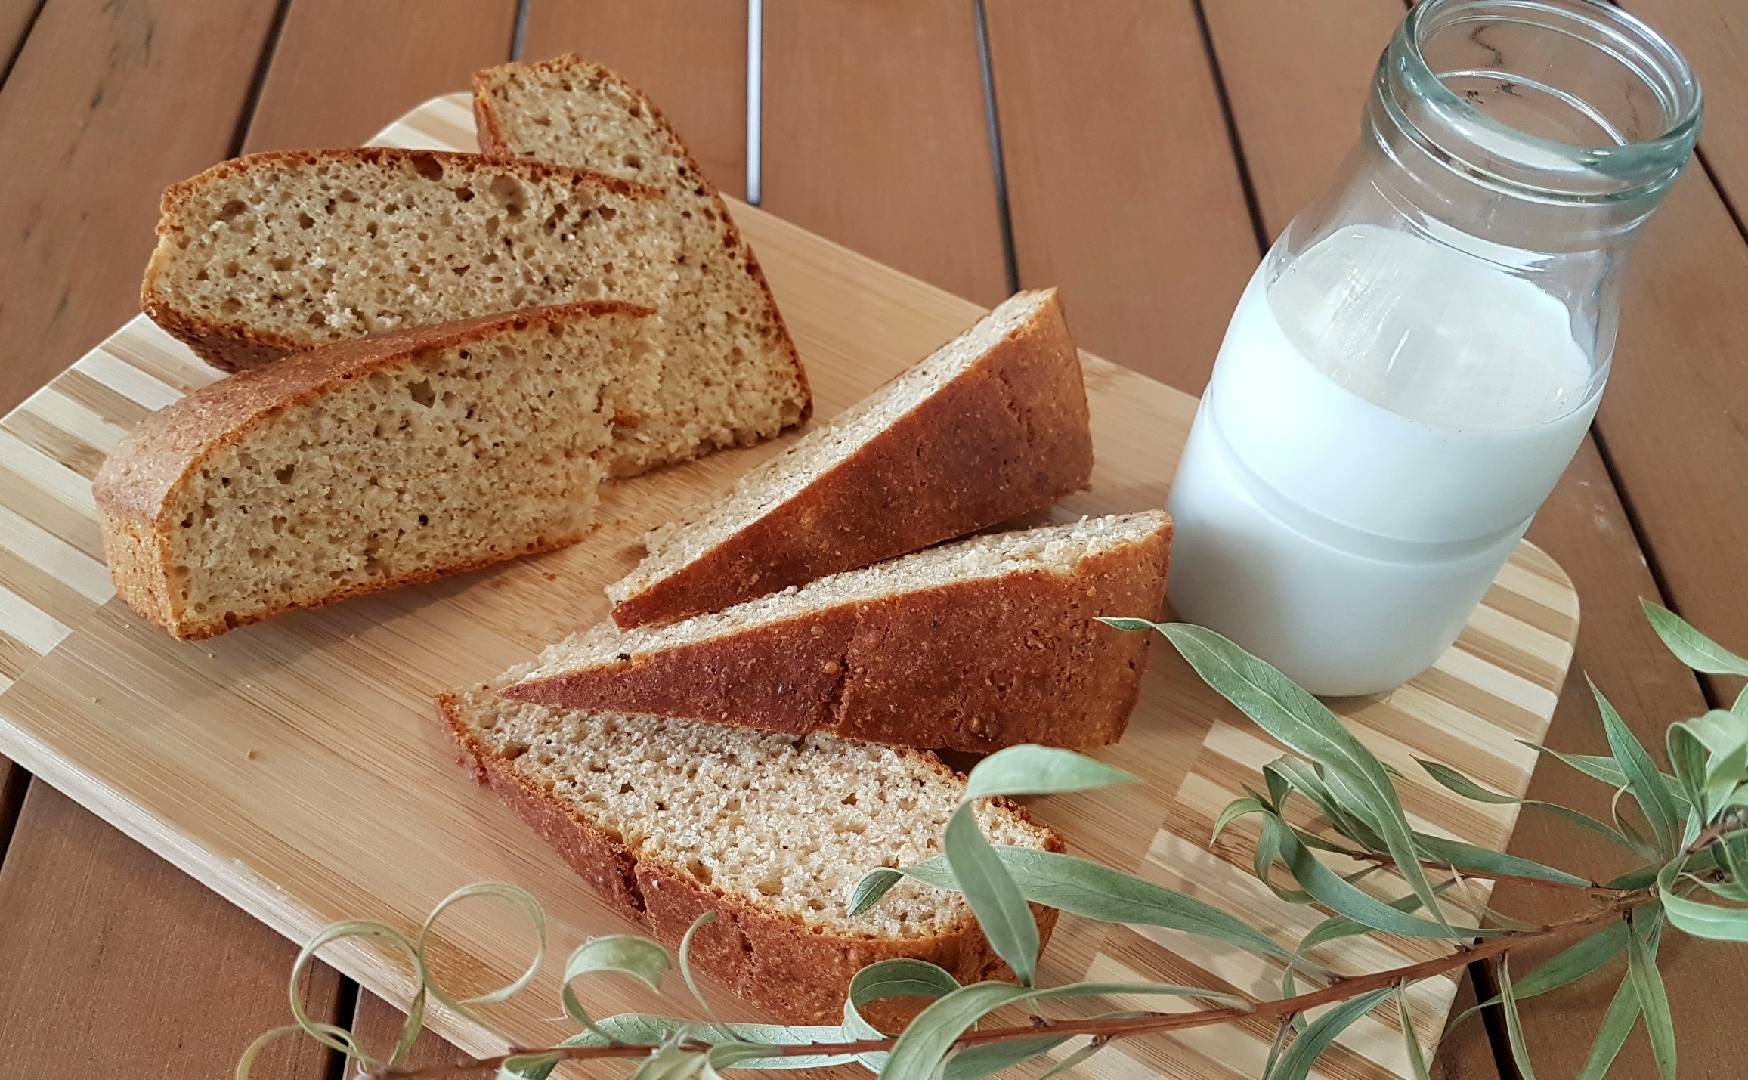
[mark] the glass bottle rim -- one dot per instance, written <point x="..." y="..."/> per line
<point x="1445" y="124"/>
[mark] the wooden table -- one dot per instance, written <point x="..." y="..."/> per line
<point x="1147" y="151"/>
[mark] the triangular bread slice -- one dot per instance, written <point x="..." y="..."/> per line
<point x="992" y="426"/>
<point x="568" y="111"/>
<point x="972" y="645"/>
<point x="669" y="821"/>
<point x="370" y="464"/>
<point x="276" y="253"/>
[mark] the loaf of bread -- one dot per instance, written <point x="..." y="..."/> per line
<point x="972" y="645"/>
<point x="275" y="253"/>
<point x="567" y="111"/>
<point x="771" y="833"/>
<point x="371" y="464"/>
<point x="993" y="425"/>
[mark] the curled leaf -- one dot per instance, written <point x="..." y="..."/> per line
<point x="995" y="899"/>
<point x="626" y="954"/>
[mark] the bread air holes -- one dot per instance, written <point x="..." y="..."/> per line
<point x="426" y="166"/>
<point x="507" y="191"/>
<point x="231" y="210"/>
<point x="422" y="392"/>
<point x="697" y="869"/>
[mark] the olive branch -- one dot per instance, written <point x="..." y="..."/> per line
<point x="1688" y="826"/>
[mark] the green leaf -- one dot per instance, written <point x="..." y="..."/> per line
<point x="1302" y="1053"/>
<point x="626" y="954"/>
<point x="1234" y="810"/>
<point x="1465" y="856"/>
<point x="1469" y="789"/>
<point x="1623" y="1010"/>
<point x="1647" y="785"/>
<point x="1040" y="770"/>
<point x="1001" y="909"/>
<point x="918" y="1052"/>
<point x="685" y="959"/>
<point x="1123" y="622"/>
<point x="1690" y="646"/>
<point x="1697" y="917"/>
<point x="1305" y="725"/>
<point x="1513" y="1022"/>
<point x="1072" y="1061"/>
<point x="670" y="1063"/>
<point x="1563" y="968"/>
<point x="1095" y="891"/>
<point x="1410" y="1042"/>
<point x="1334" y="892"/>
<point x="1710" y="757"/>
<point x="900" y="977"/>
<point x="974" y="1062"/>
<point x="1308" y="780"/>
<point x="1653" y="1003"/>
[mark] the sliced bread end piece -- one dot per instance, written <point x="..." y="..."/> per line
<point x="991" y="426"/>
<point x="570" y="111"/>
<point x="973" y="645"/>
<point x="368" y="465"/>
<point x="771" y="834"/>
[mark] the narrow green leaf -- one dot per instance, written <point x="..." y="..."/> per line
<point x="1647" y="785"/>
<point x="1513" y="1021"/>
<point x="1740" y="705"/>
<point x="899" y="977"/>
<point x="1040" y="770"/>
<point x="670" y="1063"/>
<point x="1563" y="968"/>
<point x="1234" y="810"/>
<point x="1001" y="909"/>
<point x="1309" y="780"/>
<point x="1713" y="752"/>
<point x="1305" y="725"/>
<point x="684" y="956"/>
<point x="975" y="1062"/>
<point x="1466" y="856"/>
<point x="1302" y="1053"/>
<point x="1469" y="789"/>
<point x="918" y="1052"/>
<point x="1653" y="1003"/>
<point x="1094" y="891"/>
<point x="1335" y="893"/>
<point x="1072" y="1061"/>
<point x="1690" y="646"/>
<point x="1623" y="1010"/>
<point x="875" y="884"/>
<point x="1124" y="622"/>
<point x="626" y="954"/>
<point x="1697" y="917"/>
<point x="1410" y="1041"/>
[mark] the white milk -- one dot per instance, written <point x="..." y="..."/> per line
<point x="1380" y="426"/>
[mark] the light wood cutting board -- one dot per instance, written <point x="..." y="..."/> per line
<point x="296" y="766"/>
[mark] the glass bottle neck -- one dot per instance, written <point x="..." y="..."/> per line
<point x="1546" y="125"/>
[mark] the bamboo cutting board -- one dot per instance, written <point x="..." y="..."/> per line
<point x="296" y="766"/>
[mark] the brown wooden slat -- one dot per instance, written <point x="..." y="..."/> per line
<point x="107" y="104"/>
<point x="344" y="69"/>
<point x="1121" y="180"/>
<point x="1291" y="141"/>
<point x="875" y="136"/>
<point x="690" y="58"/>
<point x="111" y="954"/>
<point x="152" y="975"/>
<point x="1713" y="35"/>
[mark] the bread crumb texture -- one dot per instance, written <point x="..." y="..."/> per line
<point x="781" y="824"/>
<point x="366" y="465"/>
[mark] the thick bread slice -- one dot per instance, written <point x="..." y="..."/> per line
<point x="568" y="111"/>
<point x="280" y="252"/>
<point x="370" y="464"/>
<point x="993" y="425"/>
<point x="973" y="645"/>
<point x="770" y="833"/>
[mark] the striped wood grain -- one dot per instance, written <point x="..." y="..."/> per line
<point x="295" y="766"/>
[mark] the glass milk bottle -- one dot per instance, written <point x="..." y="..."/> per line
<point x="1417" y="359"/>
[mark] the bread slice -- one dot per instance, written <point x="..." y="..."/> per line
<point x="280" y="252"/>
<point x="370" y="464"/>
<point x="770" y="833"/>
<point x="993" y="425"/>
<point x="973" y="645"/>
<point x="568" y="111"/>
